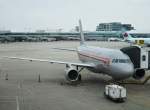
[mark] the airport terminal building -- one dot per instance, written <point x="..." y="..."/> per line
<point x="103" y="32"/>
<point x="114" y="26"/>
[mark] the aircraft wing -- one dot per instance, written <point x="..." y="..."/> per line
<point x="65" y="49"/>
<point x="54" y="61"/>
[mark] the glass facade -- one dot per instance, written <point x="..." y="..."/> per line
<point x="114" y="26"/>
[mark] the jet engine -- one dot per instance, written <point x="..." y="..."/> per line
<point x="139" y="73"/>
<point x="72" y="74"/>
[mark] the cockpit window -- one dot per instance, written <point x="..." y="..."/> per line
<point x="121" y="61"/>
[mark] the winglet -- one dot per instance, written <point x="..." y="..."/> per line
<point x="81" y="33"/>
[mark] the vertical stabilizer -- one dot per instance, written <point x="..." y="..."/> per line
<point x="127" y="36"/>
<point x="81" y="33"/>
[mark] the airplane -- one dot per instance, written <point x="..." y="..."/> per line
<point x="112" y="62"/>
<point x="130" y="39"/>
<point x="114" y="39"/>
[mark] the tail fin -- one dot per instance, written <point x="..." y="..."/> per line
<point x="126" y="36"/>
<point x="81" y="34"/>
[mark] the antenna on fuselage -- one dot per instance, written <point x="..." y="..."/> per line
<point x="81" y="33"/>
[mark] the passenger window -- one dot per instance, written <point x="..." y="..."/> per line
<point x="143" y="58"/>
<point x="116" y="61"/>
<point x="113" y="61"/>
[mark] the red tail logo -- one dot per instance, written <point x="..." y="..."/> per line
<point x="125" y="34"/>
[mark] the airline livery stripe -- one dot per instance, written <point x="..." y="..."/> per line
<point x="105" y="60"/>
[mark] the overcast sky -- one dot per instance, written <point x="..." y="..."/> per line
<point x="30" y="15"/>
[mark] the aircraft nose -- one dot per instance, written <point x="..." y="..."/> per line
<point x="123" y="71"/>
<point x="127" y="70"/>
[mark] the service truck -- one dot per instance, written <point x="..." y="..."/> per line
<point x="115" y="92"/>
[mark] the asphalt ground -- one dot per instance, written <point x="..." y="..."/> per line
<point x="22" y="91"/>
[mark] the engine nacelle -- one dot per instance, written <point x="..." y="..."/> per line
<point x="139" y="73"/>
<point x="72" y="74"/>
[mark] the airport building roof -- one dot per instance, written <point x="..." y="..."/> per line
<point x="34" y="36"/>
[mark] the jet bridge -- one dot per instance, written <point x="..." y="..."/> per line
<point x="140" y="56"/>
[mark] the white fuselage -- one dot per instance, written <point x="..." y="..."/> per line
<point x="133" y="40"/>
<point x="108" y="61"/>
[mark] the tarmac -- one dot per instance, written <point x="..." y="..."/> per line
<point x="20" y="89"/>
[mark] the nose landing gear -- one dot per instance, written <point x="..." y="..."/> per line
<point x="138" y="82"/>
